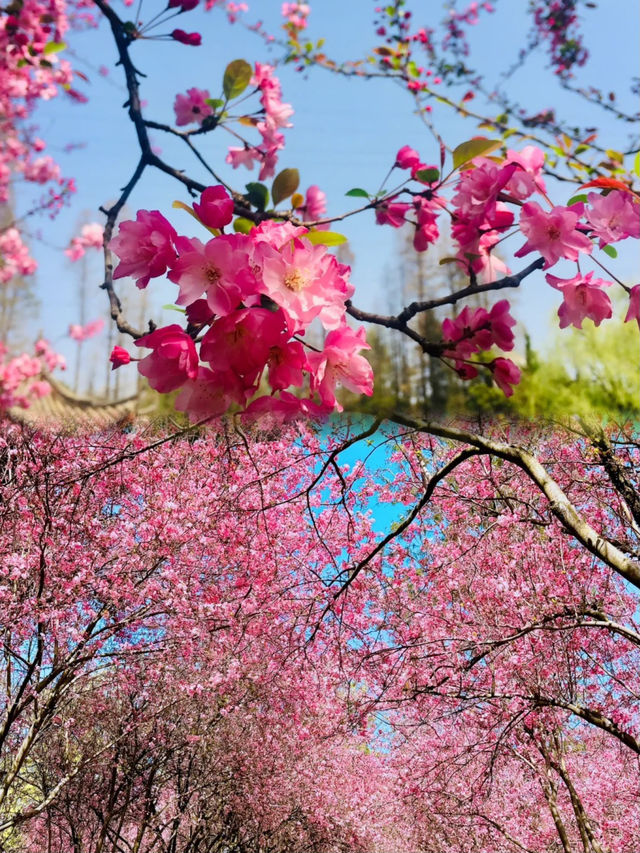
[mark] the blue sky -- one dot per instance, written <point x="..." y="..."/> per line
<point x="345" y="134"/>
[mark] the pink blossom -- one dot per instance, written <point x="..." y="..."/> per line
<point x="173" y="361"/>
<point x="82" y="333"/>
<point x="192" y="107"/>
<point x="193" y="39"/>
<point x="340" y="364"/>
<point x="528" y="178"/>
<point x="505" y="374"/>
<point x="634" y="305"/>
<point x="582" y="298"/>
<point x="209" y="393"/>
<point x="118" y="357"/>
<point x="219" y="269"/>
<point x="315" y="203"/>
<point x="216" y="207"/>
<point x="241" y="341"/>
<point x="554" y="235"/>
<point x="303" y="279"/>
<point x="284" y="408"/>
<point x="427" y="218"/>
<point x="614" y="216"/>
<point x="145" y="247"/>
<point x="183" y="5"/>
<point x="407" y="158"/>
<point x="392" y="213"/>
<point x="277" y="234"/>
<point x="90" y="237"/>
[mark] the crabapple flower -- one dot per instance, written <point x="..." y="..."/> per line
<point x="192" y="107"/>
<point x="118" y="357"/>
<point x="145" y="247"/>
<point x="193" y="39"/>
<point x="505" y="374"/>
<point x="553" y="234"/>
<point x="480" y="329"/>
<point x="215" y="209"/>
<point x="582" y="298"/>
<point x="427" y="232"/>
<point x="304" y="281"/>
<point x="407" y="158"/>
<point x="82" y="333"/>
<point x="219" y="269"/>
<point x="340" y="363"/>
<point x="613" y="217"/>
<point x="183" y="5"/>
<point x="527" y="179"/>
<point x="392" y="213"/>
<point x="174" y="359"/>
<point x="634" y="305"/>
<point x="209" y="393"/>
<point x="90" y="237"/>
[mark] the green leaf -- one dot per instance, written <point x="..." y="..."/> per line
<point x="54" y="47"/>
<point x="237" y="76"/>
<point x="576" y="199"/>
<point x="284" y="184"/>
<point x="242" y="225"/>
<point x="257" y="195"/>
<point x="357" y="192"/>
<point x="214" y="103"/>
<point x="427" y="176"/>
<point x="636" y="164"/>
<point x="175" y="308"/>
<point x="325" y="238"/>
<point x="609" y="250"/>
<point x="478" y="147"/>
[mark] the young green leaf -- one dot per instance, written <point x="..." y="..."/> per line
<point x="242" y="225"/>
<point x="427" y="176"/>
<point x="609" y="250"/>
<point x="356" y="192"/>
<point x="257" y="195"/>
<point x="326" y="238"/>
<point x="284" y="184"/>
<point x="54" y="47"/>
<point x="237" y="76"/>
<point x="477" y="147"/>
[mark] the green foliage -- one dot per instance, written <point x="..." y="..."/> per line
<point x="285" y="184"/>
<point x="237" y="77"/>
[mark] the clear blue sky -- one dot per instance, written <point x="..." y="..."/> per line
<point x="345" y="133"/>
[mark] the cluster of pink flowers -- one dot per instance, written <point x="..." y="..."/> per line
<point x="474" y="331"/>
<point x="276" y="117"/>
<point x="486" y="193"/>
<point x="20" y="376"/>
<point x="296" y="14"/>
<point x="556" y="21"/>
<point x="90" y="237"/>
<point x="14" y="256"/>
<point x="249" y="299"/>
<point x="89" y="330"/>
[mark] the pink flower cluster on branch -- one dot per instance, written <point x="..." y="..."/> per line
<point x="490" y="201"/>
<point x="22" y="376"/>
<point x="90" y="237"/>
<point x="276" y="117"/>
<point x="249" y="300"/>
